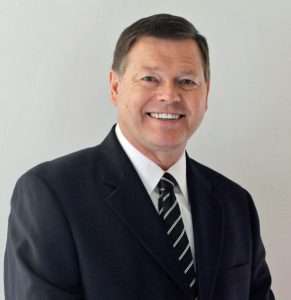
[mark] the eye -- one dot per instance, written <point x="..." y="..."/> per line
<point x="187" y="83"/>
<point x="149" y="78"/>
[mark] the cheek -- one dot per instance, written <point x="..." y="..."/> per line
<point x="129" y="110"/>
<point x="134" y="102"/>
<point x="197" y="113"/>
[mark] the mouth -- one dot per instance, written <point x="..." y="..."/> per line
<point x="165" y="116"/>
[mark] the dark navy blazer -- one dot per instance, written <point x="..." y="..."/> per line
<point x="83" y="227"/>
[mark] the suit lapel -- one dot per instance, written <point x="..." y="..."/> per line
<point x="130" y="202"/>
<point x="207" y="224"/>
<point x="132" y="205"/>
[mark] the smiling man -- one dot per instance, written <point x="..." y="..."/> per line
<point x="135" y="217"/>
<point x="161" y="96"/>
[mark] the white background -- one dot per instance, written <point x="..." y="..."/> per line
<point x="54" y="62"/>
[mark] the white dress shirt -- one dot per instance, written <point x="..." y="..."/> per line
<point x="150" y="174"/>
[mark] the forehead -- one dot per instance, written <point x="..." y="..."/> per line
<point x="154" y="52"/>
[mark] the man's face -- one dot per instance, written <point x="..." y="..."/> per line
<point x="161" y="97"/>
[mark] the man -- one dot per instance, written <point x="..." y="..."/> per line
<point x="135" y="217"/>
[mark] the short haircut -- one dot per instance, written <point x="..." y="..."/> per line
<point x="162" y="26"/>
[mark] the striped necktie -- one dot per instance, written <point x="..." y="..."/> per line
<point x="170" y="213"/>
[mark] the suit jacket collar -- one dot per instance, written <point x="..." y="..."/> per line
<point x="128" y="198"/>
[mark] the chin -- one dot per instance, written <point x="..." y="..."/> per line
<point x="174" y="141"/>
<point x="168" y="146"/>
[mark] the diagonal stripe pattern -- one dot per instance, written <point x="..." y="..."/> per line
<point x="170" y="213"/>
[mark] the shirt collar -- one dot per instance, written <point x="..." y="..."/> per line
<point x="149" y="172"/>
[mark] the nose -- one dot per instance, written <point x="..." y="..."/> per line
<point x="168" y="92"/>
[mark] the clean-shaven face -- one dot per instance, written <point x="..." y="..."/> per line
<point x="161" y="97"/>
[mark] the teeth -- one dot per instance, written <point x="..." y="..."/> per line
<point x="164" y="116"/>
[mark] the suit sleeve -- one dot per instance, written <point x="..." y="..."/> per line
<point x="261" y="278"/>
<point x="40" y="258"/>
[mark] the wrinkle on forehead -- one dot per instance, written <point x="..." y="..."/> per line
<point x="153" y="53"/>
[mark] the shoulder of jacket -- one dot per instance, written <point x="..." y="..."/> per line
<point x="217" y="180"/>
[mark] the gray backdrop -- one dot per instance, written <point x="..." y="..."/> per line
<point x="54" y="62"/>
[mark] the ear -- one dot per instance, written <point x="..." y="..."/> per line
<point x="114" y="81"/>
<point x="207" y="93"/>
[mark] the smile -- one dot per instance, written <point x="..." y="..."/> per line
<point x="165" y="116"/>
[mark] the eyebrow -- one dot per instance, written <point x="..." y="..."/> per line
<point x="183" y="73"/>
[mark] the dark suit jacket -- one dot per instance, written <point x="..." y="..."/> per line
<point x="83" y="227"/>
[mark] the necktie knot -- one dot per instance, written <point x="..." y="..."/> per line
<point x="167" y="183"/>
